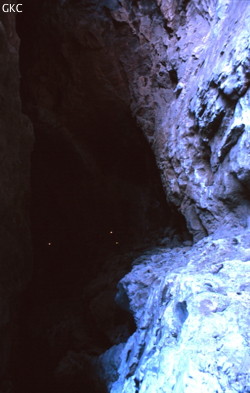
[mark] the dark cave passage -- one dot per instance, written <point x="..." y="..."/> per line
<point x="96" y="202"/>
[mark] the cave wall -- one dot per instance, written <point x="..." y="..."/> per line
<point x="188" y="82"/>
<point x="182" y="69"/>
<point x="16" y="144"/>
<point x="201" y="140"/>
<point x="89" y="148"/>
<point x="193" y="103"/>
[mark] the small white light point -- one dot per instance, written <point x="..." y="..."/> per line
<point x="49" y="244"/>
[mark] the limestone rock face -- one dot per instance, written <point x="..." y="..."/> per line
<point x="190" y="305"/>
<point x="16" y="143"/>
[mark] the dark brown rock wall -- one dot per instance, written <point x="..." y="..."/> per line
<point x="16" y="143"/>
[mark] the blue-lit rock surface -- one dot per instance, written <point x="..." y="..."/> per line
<point x="191" y="307"/>
<point x="193" y="105"/>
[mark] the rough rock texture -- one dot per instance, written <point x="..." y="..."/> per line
<point x="189" y="85"/>
<point x="183" y="70"/>
<point x="16" y="143"/>
<point x="191" y="307"/>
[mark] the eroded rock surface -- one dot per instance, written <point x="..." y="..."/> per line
<point x="191" y="307"/>
<point x="189" y="82"/>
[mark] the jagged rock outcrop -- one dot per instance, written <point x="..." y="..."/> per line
<point x="16" y="143"/>
<point x="191" y="99"/>
<point x="190" y="305"/>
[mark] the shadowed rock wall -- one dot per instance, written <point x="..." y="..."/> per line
<point x="89" y="147"/>
<point x="189" y="82"/>
<point x="16" y="138"/>
<point x="183" y="70"/>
